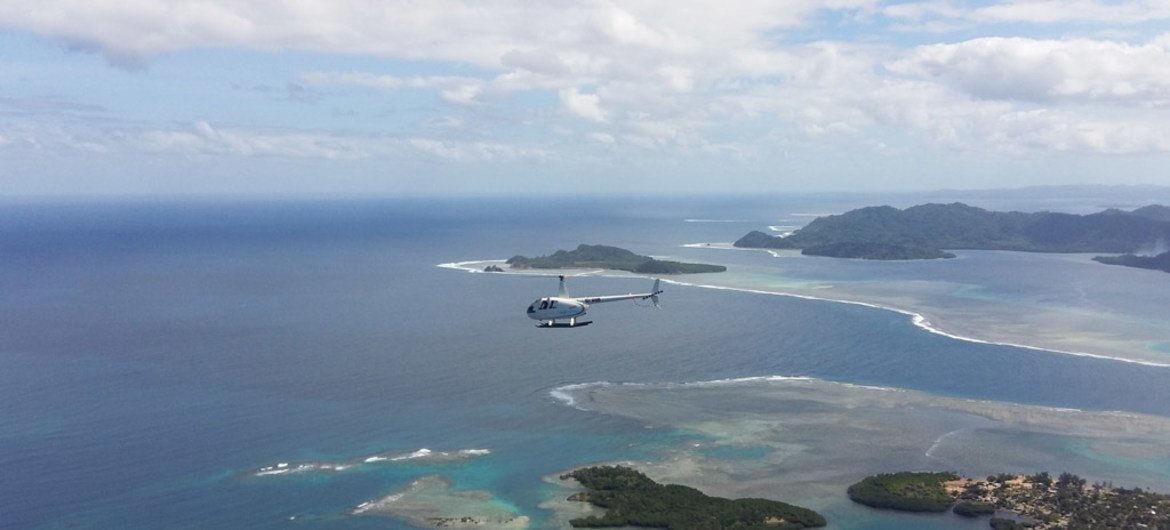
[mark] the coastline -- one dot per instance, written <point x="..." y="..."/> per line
<point x="804" y="440"/>
<point x="918" y="319"/>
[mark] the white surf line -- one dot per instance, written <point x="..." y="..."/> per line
<point x="731" y="246"/>
<point x="921" y="322"/>
<point x="467" y="266"/>
<point x="563" y="394"/>
<point x="938" y="442"/>
<point x="917" y="319"/>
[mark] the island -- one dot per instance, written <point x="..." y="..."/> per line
<point x="905" y="491"/>
<point x="1161" y="262"/>
<point x="632" y="499"/>
<point x="1017" y="501"/>
<point x="924" y="231"/>
<point x="607" y="257"/>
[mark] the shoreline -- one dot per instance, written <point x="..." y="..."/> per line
<point x="804" y="440"/>
<point x="917" y="319"/>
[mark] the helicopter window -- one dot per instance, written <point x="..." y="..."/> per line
<point x="544" y="304"/>
<point x="552" y="303"/>
<point x="532" y="308"/>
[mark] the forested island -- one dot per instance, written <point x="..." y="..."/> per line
<point x="606" y="257"/>
<point x="1017" y="501"/>
<point x="633" y="499"/>
<point x="1161" y="262"/>
<point x="924" y="231"/>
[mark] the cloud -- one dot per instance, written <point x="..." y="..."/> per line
<point x="1065" y="71"/>
<point x="474" y="151"/>
<point x="534" y="60"/>
<point x="938" y="14"/>
<point x="203" y="139"/>
<point x="453" y="89"/>
<point x="751" y="82"/>
<point x="586" y="106"/>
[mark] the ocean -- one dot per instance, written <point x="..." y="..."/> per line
<point x="194" y="363"/>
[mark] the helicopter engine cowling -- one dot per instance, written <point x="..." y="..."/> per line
<point x="553" y="308"/>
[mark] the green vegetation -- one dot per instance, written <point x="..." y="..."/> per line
<point x="905" y="491"/>
<point x="884" y="232"/>
<point x="606" y="257"/>
<point x="632" y="499"/>
<point x="1019" y="501"/>
<point x="1160" y="262"/>
<point x="999" y="523"/>
<point x="974" y="509"/>
<point x="882" y="251"/>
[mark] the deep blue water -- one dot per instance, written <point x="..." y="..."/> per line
<point x="153" y="355"/>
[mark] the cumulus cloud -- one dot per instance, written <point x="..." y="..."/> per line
<point x="1047" y="70"/>
<point x="586" y="106"/>
<point x="700" y="76"/>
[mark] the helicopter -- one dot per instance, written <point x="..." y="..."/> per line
<point x="550" y="309"/>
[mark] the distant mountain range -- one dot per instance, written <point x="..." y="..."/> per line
<point x="924" y="231"/>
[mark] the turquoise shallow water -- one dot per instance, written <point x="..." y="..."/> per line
<point x="155" y="356"/>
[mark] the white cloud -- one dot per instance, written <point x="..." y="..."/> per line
<point x="586" y="106"/>
<point x="453" y="89"/>
<point x="204" y="139"/>
<point x="474" y="151"/>
<point x="601" y="138"/>
<point x="586" y="79"/>
<point x="946" y="13"/>
<point x="1047" y="70"/>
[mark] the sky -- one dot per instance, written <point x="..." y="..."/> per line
<point x="384" y="97"/>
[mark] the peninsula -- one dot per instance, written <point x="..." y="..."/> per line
<point x="632" y="499"/>
<point x="1017" y="501"/>
<point x="1161" y="262"/>
<point x="924" y="231"/>
<point x="606" y="257"/>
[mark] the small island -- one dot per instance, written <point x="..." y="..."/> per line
<point x="633" y="499"/>
<point x="1161" y="262"/>
<point x="606" y="257"/>
<point x="923" y="231"/>
<point x="905" y="491"/>
<point x="1017" y="501"/>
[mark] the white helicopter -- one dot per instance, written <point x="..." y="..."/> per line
<point x="550" y="309"/>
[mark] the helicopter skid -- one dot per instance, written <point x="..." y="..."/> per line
<point x="563" y="324"/>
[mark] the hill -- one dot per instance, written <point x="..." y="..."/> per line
<point x="923" y="231"/>
<point x="632" y="499"/>
<point x="1037" y="501"/>
<point x="1160" y="262"/>
<point x="606" y="257"/>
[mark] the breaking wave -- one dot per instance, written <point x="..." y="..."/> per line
<point x="289" y="468"/>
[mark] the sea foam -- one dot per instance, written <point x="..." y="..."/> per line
<point x="286" y="468"/>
